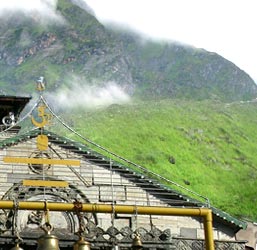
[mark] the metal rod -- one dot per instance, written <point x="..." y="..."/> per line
<point x="205" y="213"/>
<point x="40" y="161"/>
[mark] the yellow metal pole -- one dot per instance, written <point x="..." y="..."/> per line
<point x="208" y="231"/>
<point x="123" y="209"/>
<point x="40" y="161"/>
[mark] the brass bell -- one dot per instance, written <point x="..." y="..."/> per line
<point x="115" y="247"/>
<point x="81" y="244"/>
<point x="137" y="243"/>
<point x="48" y="242"/>
<point x="16" y="247"/>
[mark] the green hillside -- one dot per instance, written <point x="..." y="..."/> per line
<point x="207" y="147"/>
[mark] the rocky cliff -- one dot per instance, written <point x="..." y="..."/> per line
<point x="76" y="45"/>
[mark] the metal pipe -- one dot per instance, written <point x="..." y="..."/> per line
<point x="205" y="213"/>
<point x="208" y="230"/>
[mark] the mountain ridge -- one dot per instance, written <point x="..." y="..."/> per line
<point x="82" y="46"/>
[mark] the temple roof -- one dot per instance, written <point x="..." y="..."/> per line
<point x="137" y="174"/>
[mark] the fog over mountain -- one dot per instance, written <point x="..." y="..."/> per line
<point x="63" y="39"/>
<point x="83" y="96"/>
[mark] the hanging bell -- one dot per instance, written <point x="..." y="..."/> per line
<point x="16" y="247"/>
<point x="115" y="247"/>
<point x="81" y="244"/>
<point x="48" y="241"/>
<point x="137" y="243"/>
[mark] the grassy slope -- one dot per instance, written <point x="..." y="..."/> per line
<point x="214" y="145"/>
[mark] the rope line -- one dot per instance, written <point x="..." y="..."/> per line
<point x="145" y="170"/>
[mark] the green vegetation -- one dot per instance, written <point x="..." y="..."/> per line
<point x="213" y="145"/>
<point x="84" y="48"/>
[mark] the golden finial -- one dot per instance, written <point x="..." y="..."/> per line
<point x="41" y="83"/>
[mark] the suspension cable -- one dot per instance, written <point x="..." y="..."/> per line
<point x="145" y="170"/>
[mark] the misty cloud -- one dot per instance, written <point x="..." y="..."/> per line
<point x="43" y="11"/>
<point x="89" y="97"/>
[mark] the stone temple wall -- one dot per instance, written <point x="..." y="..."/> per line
<point x="94" y="183"/>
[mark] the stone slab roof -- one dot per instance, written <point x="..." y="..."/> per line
<point x="161" y="191"/>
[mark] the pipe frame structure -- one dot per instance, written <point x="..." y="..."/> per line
<point x="205" y="213"/>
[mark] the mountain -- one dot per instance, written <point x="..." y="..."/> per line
<point x="76" y="46"/>
<point x="179" y="133"/>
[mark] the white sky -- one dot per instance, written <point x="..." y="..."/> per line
<point x="227" y="27"/>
